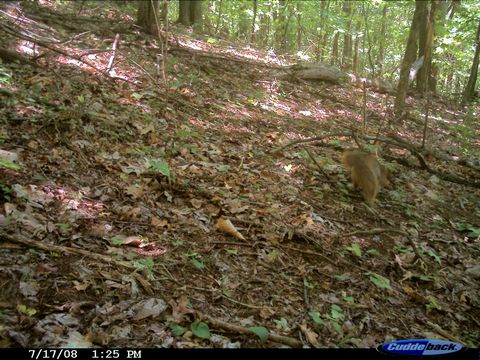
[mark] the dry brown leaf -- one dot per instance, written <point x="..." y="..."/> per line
<point x="310" y="335"/>
<point x="159" y="223"/>
<point x="197" y="204"/>
<point x="226" y="226"/>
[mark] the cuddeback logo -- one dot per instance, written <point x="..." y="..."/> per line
<point x="420" y="347"/>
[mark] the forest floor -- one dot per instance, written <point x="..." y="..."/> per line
<point x="111" y="206"/>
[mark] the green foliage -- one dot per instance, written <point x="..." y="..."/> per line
<point x="355" y="250"/>
<point x="144" y="264"/>
<point x="6" y="191"/>
<point x="261" y="332"/>
<point x="315" y="316"/>
<point x="177" y="330"/>
<point x="7" y="164"/>
<point x="434" y="256"/>
<point x="162" y="167"/>
<point x="198" y="264"/>
<point x="379" y="281"/>
<point x="200" y="329"/>
<point x="472" y="231"/>
<point x="25" y="310"/>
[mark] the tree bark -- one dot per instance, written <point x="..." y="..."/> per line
<point x="334" y="57"/>
<point x="255" y="9"/>
<point x="347" y="37"/>
<point x="146" y="12"/>
<point x="472" y="79"/>
<point x="381" y="49"/>
<point x="408" y="59"/>
<point x="190" y="13"/>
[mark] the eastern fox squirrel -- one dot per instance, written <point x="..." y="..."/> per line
<point x="367" y="173"/>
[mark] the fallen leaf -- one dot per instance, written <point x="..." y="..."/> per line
<point x="226" y="226"/>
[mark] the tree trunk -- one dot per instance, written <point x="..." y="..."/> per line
<point x="255" y="9"/>
<point x="408" y="59"/>
<point x="381" y="49"/>
<point x="347" y="37"/>
<point x="334" y="57"/>
<point x="146" y="16"/>
<point x="190" y="13"/>
<point x="280" y="20"/>
<point x="219" y="16"/>
<point x="422" y="44"/>
<point x="299" y="24"/>
<point x="472" y="79"/>
<point x="243" y="23"/>
<point x="355" y="51"/>
<point x="184" y="12"/>
<point x="196" y="14"/>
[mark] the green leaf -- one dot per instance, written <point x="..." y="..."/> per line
<point x="316" y="317"/>
<point x="232" y="251"/>
<point x="473" y="231"/>
<point x="23" y="309"/>
<point x="355" y="249"/>
<point x="336" y="312"/>
<point x="177" y="243"/>
<point x="64" y="227"/>
<point x="282" y="323"/>
<point x="8" y="164"/>
<point x="200" y="329"/>
<point x="177" y="330"/>
<point x="116" y="240"/>
<point x="435" y="256"/>
<point x="261" y="332"/>
<point x="146" y="263"/>
<point x="336" y="326"/>
<point x="223" y="168"/>
<point x="380" y="281"/>
<point x="198" y="264"/>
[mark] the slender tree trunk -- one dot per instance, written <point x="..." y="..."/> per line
<point x="219" y="16"/>
<point x="424" y="13"/>
<point x="472" y="79"/>
<point x="299" y="24"/>
<point x="408" y="59"/>
<point x="355" y="51"/>
<point x="347" y="37"/>
<point x="243" y="23"/>
<point x="381" y="48"/>
<point x="323" y="31"/>
<point x="334" y="57"/>
<point x="255" y="8"/>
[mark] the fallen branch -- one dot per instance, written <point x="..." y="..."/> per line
<point x="114" y="54"/>
<point x="292" y="342"/>
<point x="18" y="238"/>
<point x="374" y="232"/>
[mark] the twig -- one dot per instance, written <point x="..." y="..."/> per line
<point x="114" y="53"/>
<point x="305" y="295"/>
<point x="318" y="165"/>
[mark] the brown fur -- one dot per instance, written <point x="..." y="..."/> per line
<point x="367" y="173"/>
